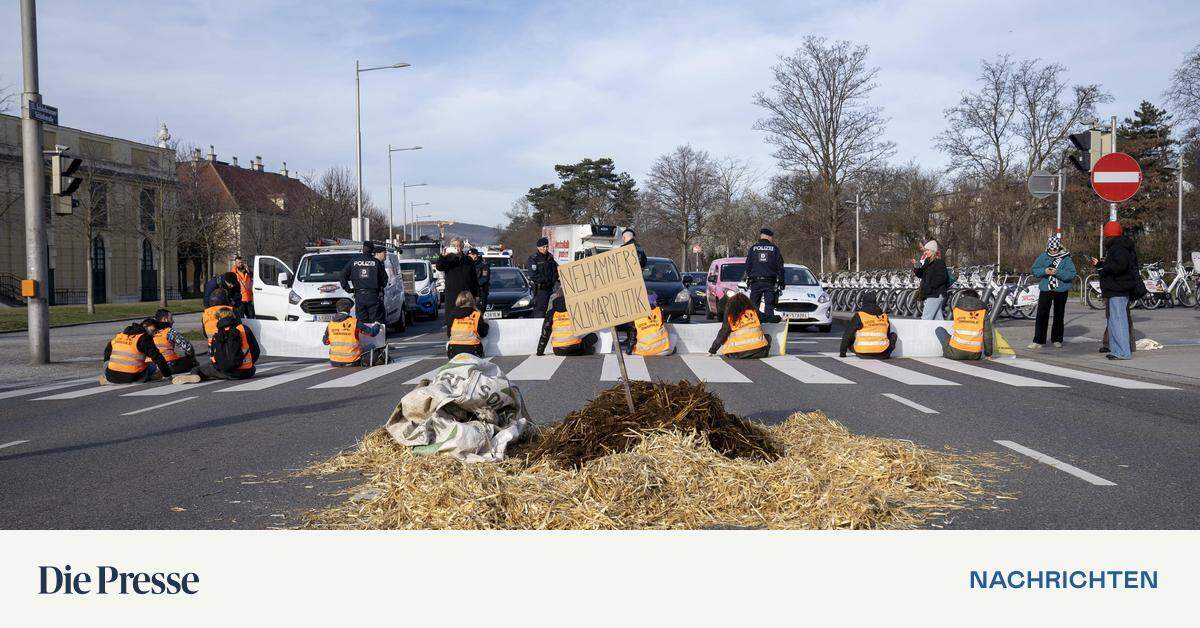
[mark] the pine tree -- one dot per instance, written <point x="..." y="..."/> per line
<point x="1150" y="214"/>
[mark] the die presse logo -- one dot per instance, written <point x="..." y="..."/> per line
<point x="108" y="580"/>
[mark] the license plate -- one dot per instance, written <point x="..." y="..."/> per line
<point x="790" y="315"/>
<point x="323" y="318"/>
<point x="493" y="314"/>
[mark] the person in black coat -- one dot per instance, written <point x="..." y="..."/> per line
<point x="366" y="278"/>
<point x="229" y="282"/>
<point x="1120" y="285"/>
<point x="764" y="274"/>
<point x="459" y="273"/>
<point x="935" y="281"/>
<point x="483" y="277"/>
<point x="543" y="273"/>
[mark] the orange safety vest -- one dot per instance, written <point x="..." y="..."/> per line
<point x="562" y="332"/>
<point x="247" y="359"/>
<point x="165" y="346"/>
<point x="873" y="337"/>
<point x="126" y="357"/>
<point x="212" y="315"/>
<point x="652" y="337"/>
<point x="246" y="283"/>
<point x="465" y="330"/>
<point x="746" y="334"/>
<point x="344" y="346"/>
<point x="968" y="330"/>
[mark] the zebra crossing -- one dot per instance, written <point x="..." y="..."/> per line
<point x="815" y="369"/>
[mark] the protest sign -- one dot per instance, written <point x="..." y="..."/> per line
<point x="604" y="290"/>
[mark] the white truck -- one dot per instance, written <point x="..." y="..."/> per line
<point x="312" y="291"/>
<point x="496" y="255"/>
<point x="571" y="242"/>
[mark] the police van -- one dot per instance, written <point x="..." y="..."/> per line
<point x="311" y="292"/>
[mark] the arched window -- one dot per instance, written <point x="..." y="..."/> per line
<point x="147" y="255"/>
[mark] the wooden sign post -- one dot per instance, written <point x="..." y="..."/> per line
<point x="603" y="291"/>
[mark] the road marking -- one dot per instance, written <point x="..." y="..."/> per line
<point x="890" y="371"/>
<point x="433" y="373"/>
<point x="20" y="392"/>
<point x="13" y="444"/>
<point x="268" y="382"/>
<point x="1131" y="384"/>
<point x="161" y="405"/>
<point x="988" y="373"/>
<point x="713" y="369"/>
<point x="413" y="344"/>
<point x="635" y="365"/>
<point x="1056" y="463"/>
<point x="910" y="403"/>
<point x="799" y="369"/>
<point x="367" y="374"/>
<point x="87" y="392"/>
<point x="537" y="367"/>
<point x="170" y="389"/>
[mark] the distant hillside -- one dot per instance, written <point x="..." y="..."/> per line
<point x="477" y="235"/>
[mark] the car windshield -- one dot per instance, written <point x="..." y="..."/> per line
<point x="420" y="271"/>
<point x="660" y="270"/>
<point x="698" y="279"/>
<point x="508" y="279"/>
<point x="324" y="267"/>
<point x="798" y="277"/>
<point x="733" y="272"/>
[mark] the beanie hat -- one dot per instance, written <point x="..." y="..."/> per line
<point x="1113" y="229"/>
<point x="931" y="246"/>
<point x="1054" y="243"/>
<point x="543" y="242"/>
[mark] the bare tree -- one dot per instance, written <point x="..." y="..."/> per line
<point x="206" y="224"/>
<point x="979" y="138"/>
<point x="100" y="197"/>
<point x="8" y="96"/>
<point x="158" y="213"/>
<point x="1184" y="92"/>
<point x="820" y="122"/>
<point x="682" y="191"/>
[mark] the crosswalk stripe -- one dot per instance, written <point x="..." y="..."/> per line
<point x="891" y="371"/>
<point x="171" y="389"/>
<point x="1048" y="369"/>
<point x="268" y="382"/>
<point x="365" y="375"/>
<point x="805" y="372"/>
<point x="87" y="392"/>
<point x="988" y="373"/>
<point x="432" y="373"/>
<point x="635" y="366"/>
<point x="21" y="392"/>
<point x="536" y="367"/>
<point x="712" y="369"/>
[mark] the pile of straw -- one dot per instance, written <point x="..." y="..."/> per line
<point x="810" y="473"/>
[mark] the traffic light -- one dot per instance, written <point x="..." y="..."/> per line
<point x="62" y="171"/>
<point x="1092" y="145"/>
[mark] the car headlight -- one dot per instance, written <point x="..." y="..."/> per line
<point x="683" y="296"/>
<point x="522" y="302"/>
<point x="824" y="298"/>
<point x="293" y="298"/>
<point x="425" y="291"/>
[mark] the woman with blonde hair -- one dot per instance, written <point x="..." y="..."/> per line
<point x="467" y="329"/>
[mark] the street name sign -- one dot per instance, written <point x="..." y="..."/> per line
<point x="1042" y="184"/>
<point x="1116" y="177"/>
<point x="43" y="112"/>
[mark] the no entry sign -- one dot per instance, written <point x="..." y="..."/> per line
<point x="1116" y="177"/>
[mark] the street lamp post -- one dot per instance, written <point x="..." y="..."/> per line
<point x="404" y="204"/>
<point x="857" y="201"/>
<point x="390" y="151"/>
<point x="358" y="122"/>
<point x="416" y="218"/>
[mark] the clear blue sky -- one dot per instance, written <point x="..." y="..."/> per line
<point x="500" y="92"/>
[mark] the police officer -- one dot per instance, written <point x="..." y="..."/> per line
<point x="369" y="277"/>
<point x="483" y="276"/>
<point x="764" y="273"/>
<point x="543" y="271"/>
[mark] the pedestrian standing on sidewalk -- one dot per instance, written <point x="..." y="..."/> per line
<point x="1119" y="281"/>
<point x="1056" y="271"/>
<point x="935" y="280"/>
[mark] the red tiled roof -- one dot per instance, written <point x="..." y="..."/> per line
<point x="244" y="188"/>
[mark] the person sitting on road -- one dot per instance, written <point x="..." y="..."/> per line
<point x="227" y="282"/>
<point x="343" y="335"/>
<point x="220" y="307"/>
<point x="467" y="329"/>
<point x="132" y="358"/>
<point x="868" y="332"/>
<point x="971" y="338"/>
<point x="652" y="336"/>
<point x="232" y="353"/>
<point x="559" y="330"/>
<point x="741" y="334"/>
<point x="176" y="349"/>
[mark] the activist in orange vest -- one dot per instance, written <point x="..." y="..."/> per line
<point x="970" y="337"/>
<point x="131" y="356"/>
<point x="344" y="335"/>
<point x="559" y="330"/>
<point x="741" y="334"/>
<point x="652" y="336"/>
<point x="219" y="309"/>
<point x="468" y="329"/>
<point x="175" y="349"/>
<point x="245" y="280"/>
<point x="869" y="333"/>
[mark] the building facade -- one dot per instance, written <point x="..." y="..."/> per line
<point x="112" y="240"/>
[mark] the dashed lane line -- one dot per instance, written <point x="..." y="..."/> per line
<point x="1056" y="463"/>
<point x="910" y="403"/>
<point x="13" y="444"/>
<point x="161" y="405"/>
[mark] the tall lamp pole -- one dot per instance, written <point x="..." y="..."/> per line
<point x="358" y="70"/>
<point x="856" y="202"/>
<point x="404" y="204"/>
<point x="416" y="218"/>
<point x="36" y="262"/>
<point x="390" y="151"/>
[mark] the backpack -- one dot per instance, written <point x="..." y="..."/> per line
<point x="226" y="349"/>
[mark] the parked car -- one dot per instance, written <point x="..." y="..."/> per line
<point x="510" y="295"/>
<point x="803" y="301"/>
<point x="663" y="279"/>
<point x="424" y="286"/>
<point x="723" y="274"/>
<point x="697" y="284"/>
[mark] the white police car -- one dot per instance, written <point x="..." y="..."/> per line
<point x="803" y="301"/>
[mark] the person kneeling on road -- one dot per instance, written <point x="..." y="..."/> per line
<point x="232" y="353"/>
<point x="559" y="330"/>
<point x="175" y="349"/>
<point x="467" y="328"/>
<point x="132" y="358"/>
<point x="219" y="307"/>
<point x="972" y="332"/>
<point x="343" y="335"/>
<point x="741" y="334"/>
<point x="652" y="336"/>
<point x="868" y="332"/>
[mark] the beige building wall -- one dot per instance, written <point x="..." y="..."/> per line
<point x="127" y="169"/>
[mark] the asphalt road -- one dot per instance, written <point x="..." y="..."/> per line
<point x="223" y="455"/>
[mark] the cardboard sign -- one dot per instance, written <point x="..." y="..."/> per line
<point x="604" y="290"/>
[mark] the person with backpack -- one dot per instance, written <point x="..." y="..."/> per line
<point x="218" y="309"/>
<point x="467" y="329"/>
<point x="869" y="332"/>
<point x="343" y="336"/>
<point x="176" y="349"/>
<point x="131" y="357"/>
